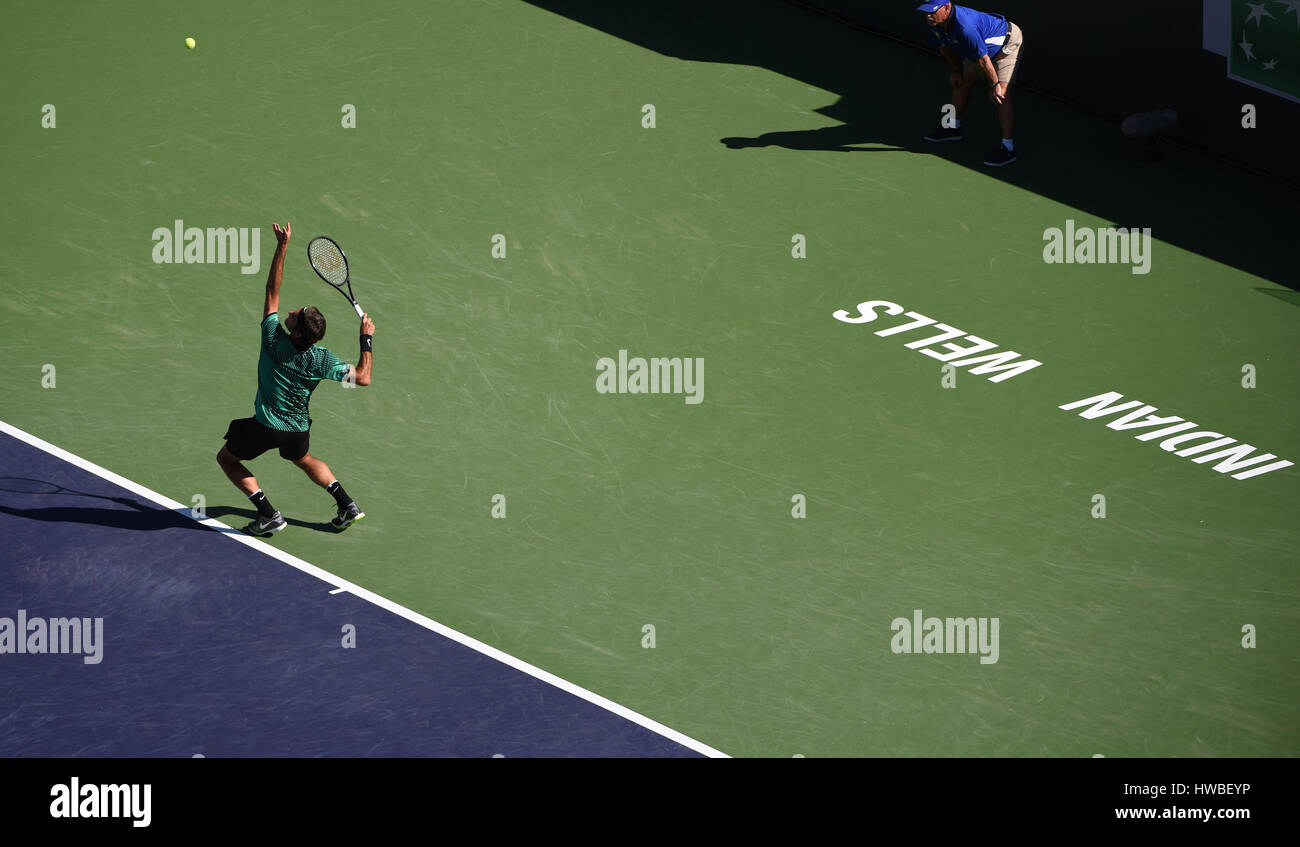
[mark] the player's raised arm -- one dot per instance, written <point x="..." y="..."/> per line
<point x="361" y="373"/>
<point x="272" y="304"/>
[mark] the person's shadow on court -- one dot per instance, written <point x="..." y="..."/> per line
<point x="859" y="124"/>
<point x="136" y="516"/>
<point x="132" y="514"/>
<point x="140" y="517"/>
<point x="838" y="139"/>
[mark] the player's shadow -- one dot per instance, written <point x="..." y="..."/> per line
<point x="838" y="139"/>
<point x="249" y="514"/>
<point x="135" y="516"/>
<point x="45" y="500"/>
<point x="890" y="95"/>
<point x="25" y="497"/>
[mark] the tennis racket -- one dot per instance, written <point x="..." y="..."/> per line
<point x="329" y="263"/>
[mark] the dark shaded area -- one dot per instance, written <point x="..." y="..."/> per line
<point x="1116" y="58"/>
<point x="134" y="518"/>
<point x="30" y="498"/>
<point x="25" y="497"/>
<point x="26" y="486"/>
<point x="889" y="96"/>
<point x="840" y="139"/>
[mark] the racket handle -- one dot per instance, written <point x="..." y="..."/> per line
<point x="360" y="313"/>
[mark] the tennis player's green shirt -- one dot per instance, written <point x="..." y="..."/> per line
<point x="286" y="377"/>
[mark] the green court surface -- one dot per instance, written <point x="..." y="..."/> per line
<point x="1119" y="635"/>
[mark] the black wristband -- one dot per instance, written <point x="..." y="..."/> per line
<point x="365" y="342"/>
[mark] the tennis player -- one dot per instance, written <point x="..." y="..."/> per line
<point x="290" y="367"/>
<point x="977" y="45"/>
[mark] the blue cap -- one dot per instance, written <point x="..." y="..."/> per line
<point x="931" y="7"/>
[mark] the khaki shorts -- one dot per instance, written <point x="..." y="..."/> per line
<point x="1007" y="60"/>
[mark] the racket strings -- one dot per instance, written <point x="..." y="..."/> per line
<point x="328" y="261"/>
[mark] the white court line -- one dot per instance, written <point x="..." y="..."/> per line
<point x="382" y="602"/>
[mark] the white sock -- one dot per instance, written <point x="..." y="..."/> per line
<point x="1007" y="143"/>
<point x="956" y="123"/>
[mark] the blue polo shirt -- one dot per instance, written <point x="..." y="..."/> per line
<point x="972" y="34"/>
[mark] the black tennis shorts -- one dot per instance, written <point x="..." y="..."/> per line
<point x="248" y="438"/>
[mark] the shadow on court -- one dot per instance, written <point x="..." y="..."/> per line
<point x="838" y="139"/>
<point x="133" y="517"/>
<point x="45" y="500"/>
<point x="890" y="96"/>
<point x="139" y="517"/>
<point x="42" y="500"/>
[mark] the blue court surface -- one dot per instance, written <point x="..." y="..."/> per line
<point x="215" y="644"/>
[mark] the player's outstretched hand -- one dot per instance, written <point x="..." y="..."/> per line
<point x="367" y="325"/>
<point x="998" y="94"/>
<point x="282" y="235"/>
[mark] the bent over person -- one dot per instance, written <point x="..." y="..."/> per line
<point x="288" y="371"/>
<point x="977" y="45"/>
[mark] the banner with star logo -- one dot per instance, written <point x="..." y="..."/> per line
<point x="1266" y="46"/>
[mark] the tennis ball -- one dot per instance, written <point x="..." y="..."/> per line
<point x="189" y="42"/>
